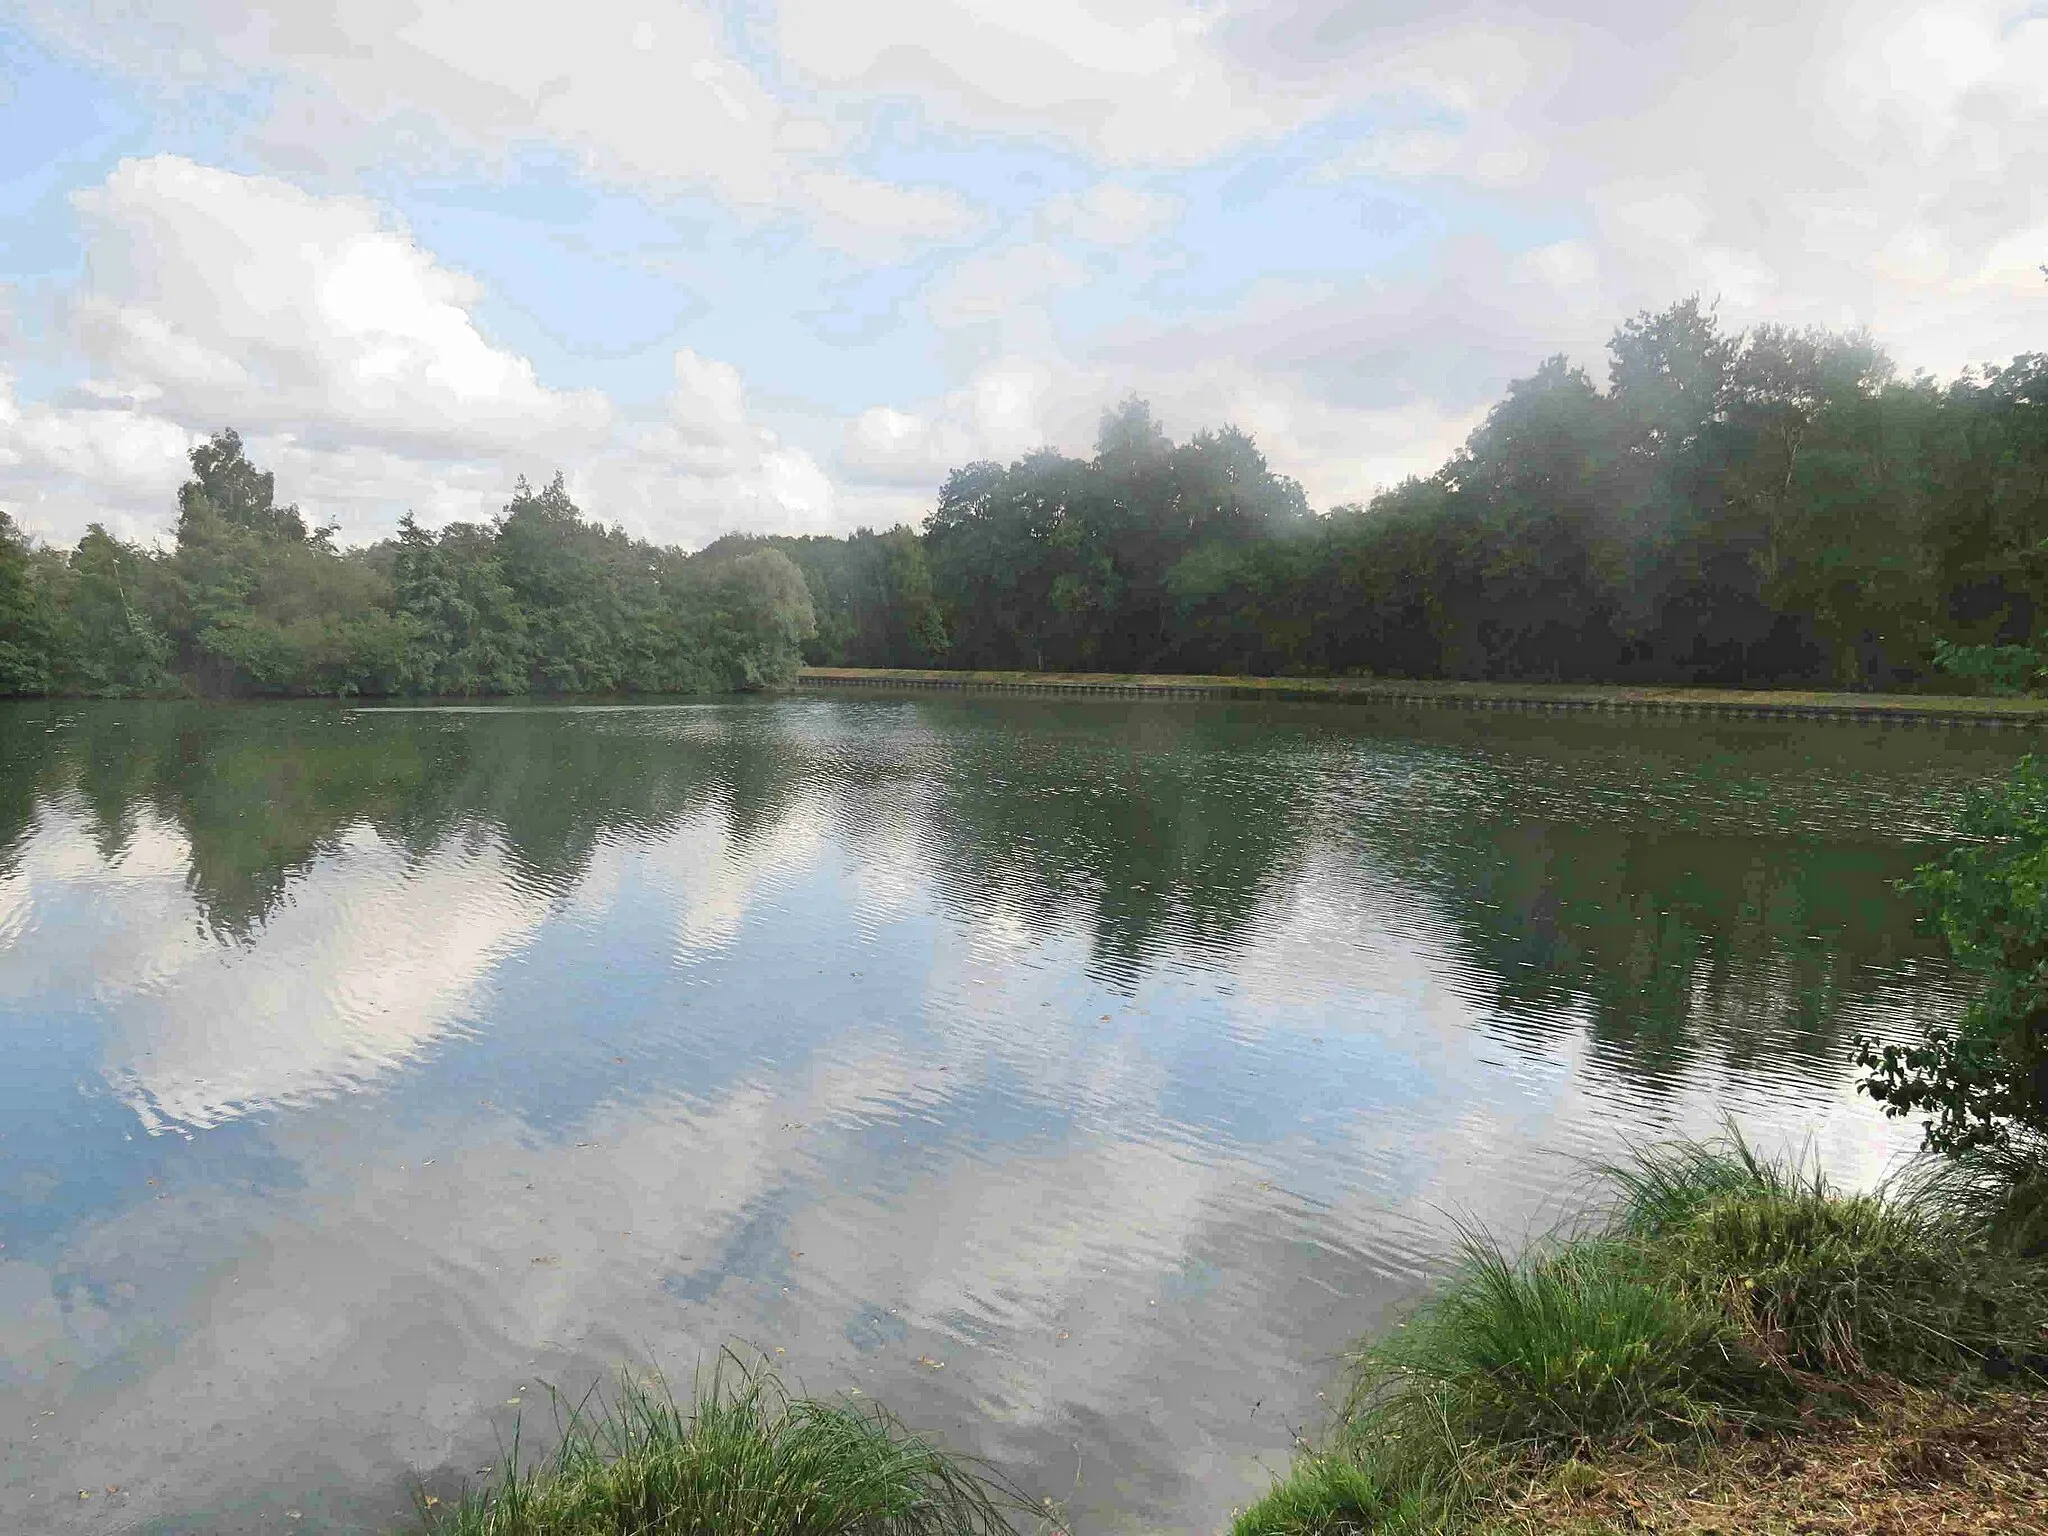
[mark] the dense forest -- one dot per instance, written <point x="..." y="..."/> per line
<point x="1774" y="507"/>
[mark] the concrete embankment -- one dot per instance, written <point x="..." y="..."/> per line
<point x="1726" y="703"/>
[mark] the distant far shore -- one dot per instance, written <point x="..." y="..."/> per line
<point x="1923" y="709"/>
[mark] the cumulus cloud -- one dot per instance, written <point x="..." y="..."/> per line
<point x="245" y="298"/>
<point x="707" y="467"/>
<point x="351" y="359"/>
<point x="1005" y="410"/>
<point x="1142" y="84"/>
<point x="316" y="325"/>
<point x="1839" y="164"/>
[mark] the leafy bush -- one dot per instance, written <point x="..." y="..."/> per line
<point x="1985" y="1080"/>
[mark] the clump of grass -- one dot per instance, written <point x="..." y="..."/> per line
<point x="1836" y="1284"/>
<point x="742" y="1458"/>
<point x="1565" y="1346"/>
<point x="1328" y="1494"/>
<point x="1998" y="1195"/>
<point x="1720" y="1290"/>
<point x="1515" y="1358"/>
<point x="1663" y="1189"/>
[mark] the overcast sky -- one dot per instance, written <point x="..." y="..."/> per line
<point x="747" y="265"/>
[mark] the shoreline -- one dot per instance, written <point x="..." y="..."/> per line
<point x="1607" y="698"/>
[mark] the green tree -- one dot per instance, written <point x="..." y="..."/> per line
<point x="27" y="624"/>
<point x="468" y="631"/>
<point x="113" y="647"/>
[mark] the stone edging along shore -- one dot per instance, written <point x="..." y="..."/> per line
<point x="1726" y="703"/>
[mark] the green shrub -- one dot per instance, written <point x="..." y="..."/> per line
<point x="1983" y="1080"/>
<point x="743" y="1459"/>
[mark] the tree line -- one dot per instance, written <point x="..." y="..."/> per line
<point x="249" y="600"/>
<point x="1773" y="508"/>
<point x="1776" y="507"/>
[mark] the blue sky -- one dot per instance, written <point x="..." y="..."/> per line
<point x="779" y="266"/>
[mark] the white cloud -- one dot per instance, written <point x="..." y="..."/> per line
<point x="346" y="353"/>
<point x="350" y="358"/>
<point x="1009" y="283"/>
<point x="1132" y="84"/>
<point x="1110" y="213"/>
<point x="645" y="99"/>
<point x="245" y="298"/>
<point x="1416" y="153"/>
<point x="1004" y="411"/>
<point x="879" y="221"/>
<point x="707" y="468"/>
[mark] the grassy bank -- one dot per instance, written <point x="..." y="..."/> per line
<point x="1722" y="1316"/>
<point x="1929" y="708"/>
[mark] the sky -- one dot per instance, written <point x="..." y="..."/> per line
<point x="778" y="267"/>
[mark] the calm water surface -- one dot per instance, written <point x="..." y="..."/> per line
<point x="1077" y="1077"/>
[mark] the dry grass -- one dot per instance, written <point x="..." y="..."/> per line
<point x="1912" y="1463"/>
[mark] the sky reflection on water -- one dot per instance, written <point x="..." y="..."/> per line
<point x="1076" y="1077"/>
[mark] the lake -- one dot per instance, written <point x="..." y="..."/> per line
<point x="1078" y="1077"/>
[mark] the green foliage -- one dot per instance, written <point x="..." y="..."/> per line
<point x="113" y="646"/>
<point x="1996" y="1195"/>
<point x="1764" y="509"/>
<point x="1124" y="562"/>
<point x="741" y="1456"/>
<point x="1985" y="1079"/>
<point x="28" y="627"/>
<point x="1664" y="1189"/>
<point x="251" y="602"/>
<point x="2004" y="669"/>
<point x="1912" y="1278"/>
<point x="469" y="632"/>
<point x="1828" y="1282"/>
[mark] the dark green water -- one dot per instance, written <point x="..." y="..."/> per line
<point x="1078" y="1077"/>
